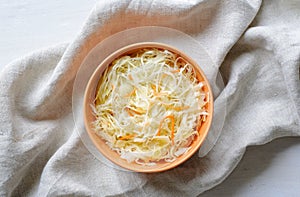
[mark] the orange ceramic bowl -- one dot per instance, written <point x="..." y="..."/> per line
<point x="101" y="145"/>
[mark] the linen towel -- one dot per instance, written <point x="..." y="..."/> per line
<point x="256" y="46"/>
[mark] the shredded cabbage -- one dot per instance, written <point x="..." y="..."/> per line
<point x="149" y="105"/>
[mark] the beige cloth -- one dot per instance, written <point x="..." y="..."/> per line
<point x="255" y="44"/>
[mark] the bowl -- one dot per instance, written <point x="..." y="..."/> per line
<point x="103" y="147"/>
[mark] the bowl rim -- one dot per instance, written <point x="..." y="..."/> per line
<point x="97" y="74"/>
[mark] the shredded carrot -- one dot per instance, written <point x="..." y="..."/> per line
<point x="130" y="77"/>
<point x="126" y="137"/>
<point x="175" y="71"/>
<point x="172" y="126"/>
<point x="147" y="124"/>
<point x="130" y="93"/>
<point x="153" y="88"/>
<point x="138" y="111"/>
<point x="180" y="108"/>
<point x="164" y="75"/>
<point x="155" y="93"/>
<point x="129" y="111"/>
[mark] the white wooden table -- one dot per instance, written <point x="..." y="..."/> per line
<point x="269" y="170"/>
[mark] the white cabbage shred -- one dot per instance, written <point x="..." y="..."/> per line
<point x="148" y="105"/>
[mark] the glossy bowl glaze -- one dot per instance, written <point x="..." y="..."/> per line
<point x="101" y="145"/>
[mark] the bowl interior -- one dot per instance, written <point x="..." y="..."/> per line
<point x="101" y="144"/>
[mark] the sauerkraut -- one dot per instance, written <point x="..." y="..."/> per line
<point x="149" y="105"/>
